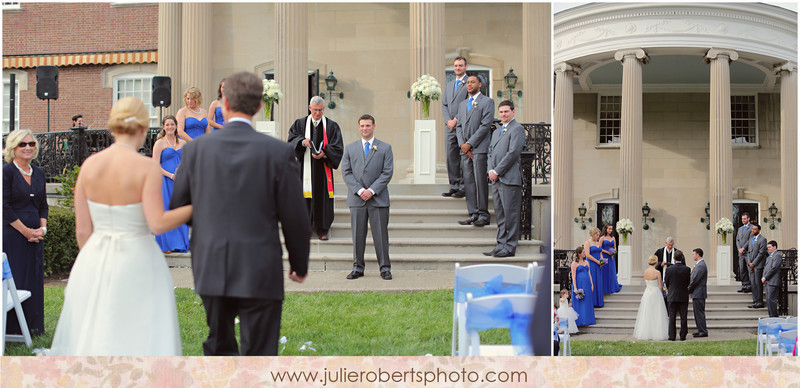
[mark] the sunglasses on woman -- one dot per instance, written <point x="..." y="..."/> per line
<point x="30" y="144"/>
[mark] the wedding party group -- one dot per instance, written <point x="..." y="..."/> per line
<point x="119" y="299"/>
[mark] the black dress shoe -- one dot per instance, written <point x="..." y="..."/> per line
<point x="701" y="335"/>
<point x="741" y="290"/>
<point x="504" y="253"/>
<point x="468" y="221"/>
<point x="758" y="306"/>
<point x="671" y="339"/>
<point x="386" y="275"/>
<point x="355" y="275"/>
<point x="683" y="339"/>
<point x="458" y="194"/>
<point x="449" y="193"/>
<point x="480" y="223"/>
<point x="492" y="253"/>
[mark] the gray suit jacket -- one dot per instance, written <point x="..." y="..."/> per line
<point x="242" y="184"/>
<point x="757" y="253"/>
<point x="744" y="233"/>
<point x="369" y="172"/>
<point x="698" y="281"/>
<point x="772" y="269"/>
<point x="474" y="127"/>
<point x="504" y="152"/>
<point x="451" y="99"/>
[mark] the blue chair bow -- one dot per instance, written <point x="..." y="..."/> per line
<point x="493" y="286"/>
<point x="503" y="316"/>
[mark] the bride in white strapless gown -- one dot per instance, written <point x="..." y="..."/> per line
<point x="651" y="320"/>
<point x="119" y="299"/>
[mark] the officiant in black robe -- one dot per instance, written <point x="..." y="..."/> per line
<point x="317" y="142"/>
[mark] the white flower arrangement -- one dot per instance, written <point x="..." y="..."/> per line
<point x="624" y="227"/>
<point x="426" y="89"/>
<point x="723" y="227"/>
<point x="272" y="94"/>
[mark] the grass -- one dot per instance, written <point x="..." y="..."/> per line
<point x="338" y="324"/>
<point x="744" y="347"/>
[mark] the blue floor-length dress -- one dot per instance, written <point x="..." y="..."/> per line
<point x="218" y="118"/>
<point x="596" y="277"/>
<point x="609" y="272"/>
<point x="195" y="127"/>
<point x="176" y="240"/>
<point x="584" y="307"/>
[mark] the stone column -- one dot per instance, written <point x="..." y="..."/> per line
<point x="720" y="159"/>
<point x="169" y="50"/>
<point x="291" y="63"/>
<point x="426" y="25"/>
<point x="563" y="209"/>
<point x="196" y="21"/>
<point x="630" y="150"/>
<point x="535" y="77"/>
<point x="788" y="73"/>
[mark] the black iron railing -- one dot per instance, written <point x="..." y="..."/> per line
<point x="535" y="161"/>
<point x="60" y="151"/>
<point x="788" y="276"/>
<point x="562" y="259"/>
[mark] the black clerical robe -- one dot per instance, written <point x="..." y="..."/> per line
<point x="320" y="205"/>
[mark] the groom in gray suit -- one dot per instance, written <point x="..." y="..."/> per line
<point x="506" y="176"/>
<point x="699" y="293"/>
<point x="367" y="168"/>
<point x="475" y="117"/>
<point x="454" y="93"/>
<point x="756" y="258"/>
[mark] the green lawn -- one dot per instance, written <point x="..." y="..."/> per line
<point x="745" y="347"/>
<point x="338" y="324"/>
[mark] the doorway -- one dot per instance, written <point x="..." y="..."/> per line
<point x="313" y="87"/>
<point x="608" y="213"/>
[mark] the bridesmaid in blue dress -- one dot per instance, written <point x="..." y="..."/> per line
<point x="582" y="280"/>
<point x="592" y="247"/>
<point x="167" y="152"/>
<point x="215" y="119"/>
<point x="609" y="272"/>
<point x="192" y="121"/>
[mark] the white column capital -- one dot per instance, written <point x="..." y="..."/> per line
<point x="640" y="54"/>
<point x="565" y="67"/>
<point x="715" y="53"/>
<point x="786" y="66"/>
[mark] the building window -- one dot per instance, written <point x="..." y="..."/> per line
<point x="7" y="105"/>
<point x="11" y="5"/>
<point x="483" y="72"/>
<point x="609" y="120"/>
<point x="743" y="120"/>
<point x="137" y="85"/>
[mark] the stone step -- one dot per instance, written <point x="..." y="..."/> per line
<point x="437" y="245"/>
<point x="713" y="327"/>
<point x="404" y="201"/>
<point x="414" y="216"/>
<point x="721" y="310"/>
<point x="423" y="230"/>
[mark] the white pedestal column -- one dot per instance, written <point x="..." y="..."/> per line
<point x="267" y="128"/>
<point x="724" y="260"/>
<point x="424" y="151"/>
<point x="624" y="259"/>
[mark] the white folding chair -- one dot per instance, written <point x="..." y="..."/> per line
<point x="537" y="276"/>
<point x="510" y="311"/>
<point x="786" y="342"/>
<point x="565" y="348"/>
<point x="773" y="336"/>
<point x="12" y="299"/>
<point x="473" y="279"/>
<point x="763" y="324"/>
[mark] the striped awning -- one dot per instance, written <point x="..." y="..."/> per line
<point x="30" y="61"/>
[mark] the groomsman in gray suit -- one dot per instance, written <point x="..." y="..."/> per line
<point x="505" y="173"/>
<point x="772" y="278"/>
<point x="742" y="237"/>
<point x="474" y="118"/>
<point x="756" y="258"/>
<point x="367" y="168"/>
<point x="699" y="293"/>
<point x="454" y="93"/>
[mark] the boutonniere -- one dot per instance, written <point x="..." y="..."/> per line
<point x="474" y="103"/>
<point x="373" y="148"/>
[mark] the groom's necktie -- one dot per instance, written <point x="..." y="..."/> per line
<point x="366" y="148"/>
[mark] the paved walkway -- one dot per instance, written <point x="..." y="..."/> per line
<point x="335" y="281"/>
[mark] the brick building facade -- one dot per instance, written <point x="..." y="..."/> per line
<point x="103" y="51"/>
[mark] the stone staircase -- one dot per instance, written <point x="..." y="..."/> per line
<point x="726" y="311"/>
<point x="424" y="234"/>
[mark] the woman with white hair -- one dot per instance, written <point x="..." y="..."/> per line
<point x="25" y="225"/>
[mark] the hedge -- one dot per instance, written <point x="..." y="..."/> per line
<point x="60" y="246"/>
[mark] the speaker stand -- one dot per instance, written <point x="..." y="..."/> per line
<point x="48" y="115"/>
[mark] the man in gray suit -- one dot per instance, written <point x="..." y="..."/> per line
<point x="474" y="118"/>
<point x="241" y="184"/>
<point x="756" y="258"/>
<point x="742" y="237"/>
<point x="505" y="173"/>
<point x="367" y="168"/>
<point x="772" y="277"/>
<point x="454" y="93"/>
<point x="698" y="292"/>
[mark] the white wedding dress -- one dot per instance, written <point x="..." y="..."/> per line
<point x="119" y="299"/>
<point x="651" y="321"/>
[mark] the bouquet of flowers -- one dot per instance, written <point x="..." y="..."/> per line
<point x="624" y="227"/>
<point x="603" y="261"/>
<point x="580" y="294"/>
<point x="426" y="89"/>
<point x="272" y="94"/>
<point x="723" y="227"/>
<point x="612" y="252"/>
